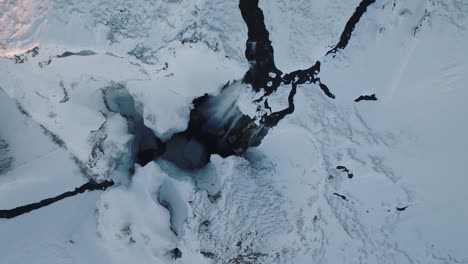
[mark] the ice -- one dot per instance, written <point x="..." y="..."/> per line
<point x="278" y="203"/>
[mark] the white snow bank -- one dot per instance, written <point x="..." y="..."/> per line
<point x="34" y="173"/>
<point x="132" y="222"/>
<point x="66" y="98"/>
<point x="302" y="31"/>
<point x="192" y="71"/>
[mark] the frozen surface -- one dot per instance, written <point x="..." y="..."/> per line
<point x="285" y="201"/>
<point x="40" y="169"/>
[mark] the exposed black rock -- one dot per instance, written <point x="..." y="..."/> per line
<point x="253" y="257"/>
<point x="79" y="53"/>
<point x="176" y="253"/>
<point x="366" y="98"/>
<point x="203" y="227"/>
<point x="341" y="196"/>
<point x="56" y="139"/>
<point x="42" y="64"/>
<point x="343" y="168"/>
<point x="21" y="58"/>
<point x="401" y="208"/>
<point x="213" y="198"/>
<point x="350" y="25"/>
<point x="207" y="254"/>
<point x="89" y="186"/>
<point x="417" y="28"/>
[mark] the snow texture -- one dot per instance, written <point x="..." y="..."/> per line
<point x="285" y="201"/>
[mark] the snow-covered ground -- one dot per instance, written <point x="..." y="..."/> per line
<point x="287" y="200"/>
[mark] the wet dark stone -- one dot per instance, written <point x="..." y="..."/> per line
<point x="89" y="186"/>
<point x="371" y="97"/>
<point x="79" y="53"/>
<point x="213" y="198"/>
<point x="207" y="254"/>
<point x="205" y="223"/>
<point x="401" y="208"/>
<point x="343" y="168"/>
<point x="341" y="196"/>
<point x="239" y="244"/>
<point x="176" y="253"/>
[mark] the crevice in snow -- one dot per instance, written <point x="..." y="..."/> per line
<point x="89" y="186"/>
